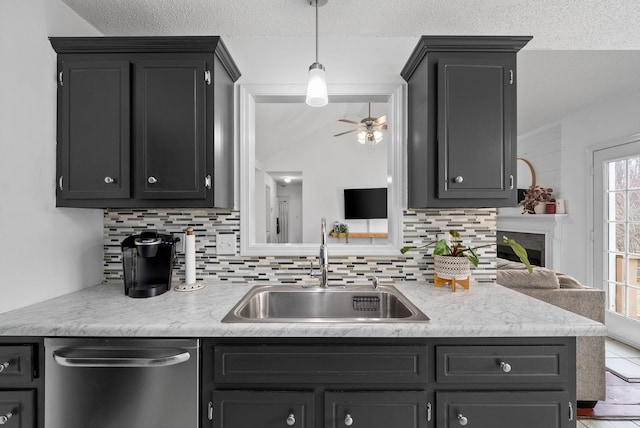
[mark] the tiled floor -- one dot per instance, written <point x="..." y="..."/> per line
<point x="626" y="361"/>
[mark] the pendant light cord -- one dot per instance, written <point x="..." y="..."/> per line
<point x="316" y="31"/>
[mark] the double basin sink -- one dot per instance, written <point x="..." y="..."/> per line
<point x="294" y="303"/>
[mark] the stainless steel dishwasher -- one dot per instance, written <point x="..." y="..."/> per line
<point x="121" y="383"/>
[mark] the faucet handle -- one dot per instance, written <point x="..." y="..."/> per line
<point x="376" y="282"/>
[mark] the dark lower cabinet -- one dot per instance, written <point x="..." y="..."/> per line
<point x="264" y="409"/>
<point x="504" y="409"/>
<point x="383" y="383"/>
<point x="21" y="382"/>
<point x="17" y="409"/>
<point x="405" y="409"/>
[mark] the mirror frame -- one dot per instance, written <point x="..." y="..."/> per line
<point x="249" y="94"/>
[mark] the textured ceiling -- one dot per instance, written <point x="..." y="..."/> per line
<point x="273" y="39"/>
<point x="555" y="24"/>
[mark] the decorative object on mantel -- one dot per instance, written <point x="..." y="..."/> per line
<point x="452" y="261"/>
<point x="536" y="196"/>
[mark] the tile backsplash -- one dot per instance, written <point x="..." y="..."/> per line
<point x="477" y="226"/>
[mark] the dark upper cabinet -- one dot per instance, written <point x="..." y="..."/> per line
<point x="170" y="129"/>
<point x="461" y="140"/>
<point x="145" y="122"/>
<point x="94" y="130"/>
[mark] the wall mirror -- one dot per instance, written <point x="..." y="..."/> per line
<point x="294" y="171"/>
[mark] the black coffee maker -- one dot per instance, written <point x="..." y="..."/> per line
<point x="147" y="260"/>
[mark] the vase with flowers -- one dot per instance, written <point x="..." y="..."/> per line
<point x="535" y="199"/>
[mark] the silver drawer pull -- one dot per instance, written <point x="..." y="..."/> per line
<point x="291" y="420"/>
<point x="5" y="418"/>
<point x="152" y="180"/>
<point x="462" y="420"/>
<point x="459" y="179"/>
<point x="348" y="420"/>
<point x="109" y="180"/>
<point x="4" y="366"/>
<point x="506" y="367"/>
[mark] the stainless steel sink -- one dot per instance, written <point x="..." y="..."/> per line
<point x="293" y="303"/>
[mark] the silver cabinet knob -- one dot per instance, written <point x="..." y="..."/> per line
<point x="5" y="418"/>
<point x="152" y="180"/>
<point x="462" y="420"/>
<point x="348" y="420"/>
<point x="291" y="420"/>
<point x="4" y="366"/>
<point x="109" y="180"/>
<point x="506" y="367"/>
<point x="459" y="179"/>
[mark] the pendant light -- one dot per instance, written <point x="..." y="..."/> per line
<point x="317" y="84"/>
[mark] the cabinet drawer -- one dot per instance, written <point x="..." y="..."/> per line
<point x="16" y="365"/>
<point x="264" y="409"/>
<point x="504" y="409"/>
<point x="406" y="409"/>
<point x="323" y="364"/>
<point x="17" y="409"/>
<point x="502" y="364"/>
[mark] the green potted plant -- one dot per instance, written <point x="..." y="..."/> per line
<point x="465" y="254"/>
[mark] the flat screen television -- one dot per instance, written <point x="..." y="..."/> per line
<point x="365" y="203"/>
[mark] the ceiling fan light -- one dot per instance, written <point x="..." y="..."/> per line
<point x="362" y="137"/>
<point x="377" y="135"/>
<point x="317" y="86"/>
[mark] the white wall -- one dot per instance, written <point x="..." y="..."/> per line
<point x="614" y="118"/>
<point x="597" y="124"/>
<point x="46" y="251"/>
<point x="541" y="147"/>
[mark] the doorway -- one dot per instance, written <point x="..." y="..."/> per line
<point x="617" y="237"/>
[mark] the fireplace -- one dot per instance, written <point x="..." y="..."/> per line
<point x="534" y="243"/>
<point x="540" y="234"/>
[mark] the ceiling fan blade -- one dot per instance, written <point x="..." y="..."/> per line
<point x="383" y="126"/>
<point x="347" y="132"/>
<point x="348" y="121"/>
<point x="380" y="120"/>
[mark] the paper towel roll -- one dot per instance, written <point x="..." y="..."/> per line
<point x="190" y="257"/>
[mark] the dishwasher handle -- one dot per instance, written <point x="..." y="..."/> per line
<point x="70" y="357"/>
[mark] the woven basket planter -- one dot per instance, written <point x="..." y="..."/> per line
<point x="448" y="267"/>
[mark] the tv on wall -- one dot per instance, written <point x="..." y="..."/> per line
<point x="365" y="203"/>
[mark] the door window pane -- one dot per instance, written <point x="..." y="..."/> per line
<point x="633" y="166"/>
<point x="617" y="175"/>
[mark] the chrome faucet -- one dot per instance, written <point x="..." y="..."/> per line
<point x="324" y="255"/>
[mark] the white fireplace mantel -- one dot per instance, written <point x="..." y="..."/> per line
<point x="550" y="225"/>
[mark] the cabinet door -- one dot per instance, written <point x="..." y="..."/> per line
<point x="475" y="109"/>
<point x="380" y="409"/>
<point x="17" y="409"/>
<point x="93" y="130"/>
<point x="504" y="410"/>
<point x="170" y="128"/>
<point x="264" y="409"/>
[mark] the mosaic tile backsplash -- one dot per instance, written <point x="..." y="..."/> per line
<point x="477" y="226"/>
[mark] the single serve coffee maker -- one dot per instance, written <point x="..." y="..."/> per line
<point x="147" y="261"/>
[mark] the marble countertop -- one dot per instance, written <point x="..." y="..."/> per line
<point x="486" y="310"/>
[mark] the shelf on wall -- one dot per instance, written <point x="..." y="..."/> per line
<point x="360" y="235"/>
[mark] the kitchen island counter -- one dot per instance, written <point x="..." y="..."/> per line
<point x="486" y="310"/>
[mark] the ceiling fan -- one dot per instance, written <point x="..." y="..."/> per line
<point x="369" y="129"/>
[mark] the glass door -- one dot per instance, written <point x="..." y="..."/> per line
<point x="617" y="237"/>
